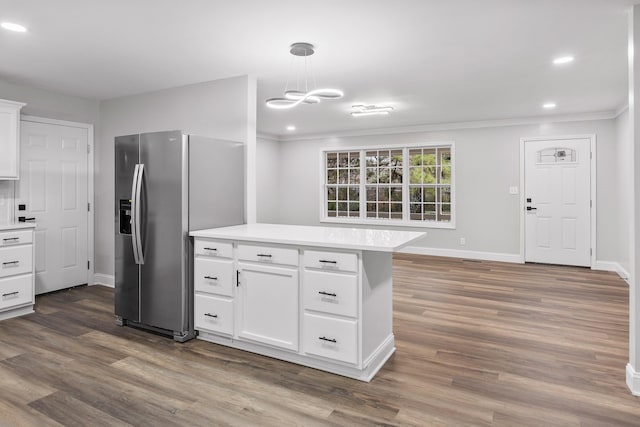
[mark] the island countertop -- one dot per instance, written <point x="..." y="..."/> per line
<point x="330" y="237"/>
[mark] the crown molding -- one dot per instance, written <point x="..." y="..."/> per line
<point x="267" y="136"/>
<point x="621" y="110"/>
<point x="600" y="115"/>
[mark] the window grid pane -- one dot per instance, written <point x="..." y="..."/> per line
<point x="428" y="190"/>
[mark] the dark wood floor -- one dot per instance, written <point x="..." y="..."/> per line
<point x="478" y="343"/>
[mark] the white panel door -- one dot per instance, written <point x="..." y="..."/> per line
<point x="53" y="187"/>
<point x="558" y="202"/>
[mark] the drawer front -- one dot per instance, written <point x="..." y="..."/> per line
<point x="268" y="255"/>
<point x="213" y="314"/>
<point x="331" y="292"/>
<point x="331" y="260"/>
<point x="15" y="291"/>
<point x="213" y="248"/>
<point x="330" y="337"/>
<point x="17" y="237"/>
<point x="213" y="276"/>
<point x="16" y="260"/>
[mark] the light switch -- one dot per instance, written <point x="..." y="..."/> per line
<point x="513" y="190"/>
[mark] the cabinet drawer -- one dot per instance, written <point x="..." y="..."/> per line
<point x="15" y="291"/>
<point x="331" y="260"/>
<point x="329" y="292"/>
<point x="213" y="276"/>
<point x="17" y="237"/>
<point x="213" y="314"/>
<point x="15" y="260"/>
<point x="330" y="337"/>
<point x="268" y="254"/>
<point x="213" y="248"/>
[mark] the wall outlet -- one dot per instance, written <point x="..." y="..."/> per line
<point x="463" y="241"/>
<point x="513" y="190"/>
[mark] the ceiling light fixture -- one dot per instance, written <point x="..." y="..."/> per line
<point x="291" y="128"/>
<point x="549" y="105"/>
<point x="13" y="27"/>
<point x="563" y="60"/>
<point x="293" y="98"/>
<point x="370" y="110"/>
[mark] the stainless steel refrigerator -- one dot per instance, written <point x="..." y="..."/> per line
<point x="166" y="184"/>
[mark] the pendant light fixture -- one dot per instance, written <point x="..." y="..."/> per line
<point x="302" y="94"/>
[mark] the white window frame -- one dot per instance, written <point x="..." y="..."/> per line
<point x="405" y="222"/>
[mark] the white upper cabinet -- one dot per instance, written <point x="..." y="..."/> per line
<point x="10" y="139"/>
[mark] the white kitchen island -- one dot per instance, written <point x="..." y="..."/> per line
<point x="316" y="296"/>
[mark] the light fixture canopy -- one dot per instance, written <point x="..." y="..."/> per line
<point x="294" y="97"/>
<point x="12" y="26"/>
<point x="370" y="110"/>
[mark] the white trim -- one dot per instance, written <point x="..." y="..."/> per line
<point x="633" y="380"/>
<point x="621" y="110"/>
<point x="90" y="181"/>
<point x="267" y="137"/>
<point x="593" y="186"/>
<point x="108" y="280"/>
<point x="389" y="222"/>
<point x="387" y="146"/>
<point x="438" y="127"/>
<point x="457" y="253"/>
<point x="612" y="266"/>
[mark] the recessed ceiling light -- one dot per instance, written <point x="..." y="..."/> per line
<point x="291" y="128"/>
<point x="563" y="60"/>
<point x="13" y="27"/>
<point x="549" y="105"/>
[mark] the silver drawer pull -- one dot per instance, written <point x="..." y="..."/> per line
<point x="11" y="239"/>
<point x="333" y="340"/>
<point x="210" y="278"/>
<point x="10" y="263"/>
<point x="329" y="294"/>
<point x="264" y="255"/>
<point x="10" y="293"/>
<point x="211" y="315"/>
<point x="326" y="261"/>
<point x="210" y="249"/>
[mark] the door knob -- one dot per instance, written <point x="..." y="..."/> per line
<point x="529" y="208"/>
<point x="25" y="219"/>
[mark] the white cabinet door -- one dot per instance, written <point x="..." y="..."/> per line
<point x="267" y="302"/>
<point x="9" y="137"/>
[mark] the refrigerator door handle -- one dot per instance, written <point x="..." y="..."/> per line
<point x="134" y="210"/>
<point x="138" y="235"/>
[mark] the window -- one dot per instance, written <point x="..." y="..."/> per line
<point x="390" y="185"/>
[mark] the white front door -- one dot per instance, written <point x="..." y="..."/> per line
<point x="558" y="201"/>
<point x="53" y="190"/>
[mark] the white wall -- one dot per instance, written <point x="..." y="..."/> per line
<point x="487" y="163"/>
<point x="220" y="109"/>
<point x="268" y="152"/>
<point x="624" y="176"/>
<point x="47" y="104"/>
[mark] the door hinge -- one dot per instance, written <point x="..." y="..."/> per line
<point x="88" y="207"/>
<point x="237" y="278"/>
<point x="590" y="203"/>
<point x="88" y="149"/>
<point x="88" y="265"/>
<point x="590" y="251"/>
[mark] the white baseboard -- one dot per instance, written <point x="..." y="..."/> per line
<point x="633" y="380"/>
<point x="104" y="280"/>
<point x="457" y="253"/>
<point x="612" y="266"/>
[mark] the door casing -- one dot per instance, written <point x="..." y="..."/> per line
<point x="592" y="166"/>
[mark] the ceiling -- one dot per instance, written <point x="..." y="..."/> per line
<point x="434" y="61"/>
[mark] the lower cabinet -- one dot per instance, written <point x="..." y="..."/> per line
<point x="310" y="306"/>
<point x="268" y="305"/>
<point x="16" y="272"/>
